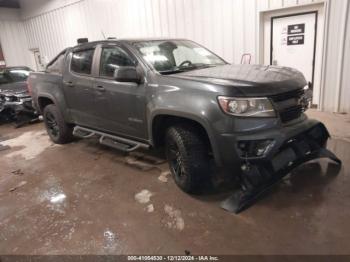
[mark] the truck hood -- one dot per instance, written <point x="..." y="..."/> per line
<point x="17" y="88"/>
<point x="250" y="80"/>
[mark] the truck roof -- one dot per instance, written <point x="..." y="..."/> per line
<point x="127" y="40"/>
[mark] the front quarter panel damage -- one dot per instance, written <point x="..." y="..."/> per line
<point x="257" y="178"/>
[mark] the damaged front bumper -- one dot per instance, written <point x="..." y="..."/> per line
<point x="17" y="109"/>
<point x="299" y="144"/>
<point x="17" y="106"/>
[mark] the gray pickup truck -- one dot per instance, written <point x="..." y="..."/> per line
<point x="177" y="95"/>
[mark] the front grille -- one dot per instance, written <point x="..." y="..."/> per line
<point x="288" y="95"/>
<point x="289" y="105"/>
<point x="291" y="113"/>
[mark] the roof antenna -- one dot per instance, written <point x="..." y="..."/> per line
<point x="103" y="34"/>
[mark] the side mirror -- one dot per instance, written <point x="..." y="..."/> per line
<point x="127" y="74"/>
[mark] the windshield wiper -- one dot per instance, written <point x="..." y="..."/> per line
<point x="197" y="66"/>
<point x="173" y="71"/>
<point x="187" y="68"/>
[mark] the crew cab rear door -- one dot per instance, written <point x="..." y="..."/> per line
<point x="78" y="85"/>
<point x="124" y="110"/>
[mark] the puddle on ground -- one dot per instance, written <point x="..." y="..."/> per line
<point x="57" y="199"/>
<point x="54" y="197"/>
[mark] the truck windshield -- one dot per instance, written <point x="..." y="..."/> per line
<point x="8" y="76"/>
<point x="176" y="56"/>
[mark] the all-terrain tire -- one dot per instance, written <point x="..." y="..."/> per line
<point x="188" y="157"/>
<point x="59" y="131"/>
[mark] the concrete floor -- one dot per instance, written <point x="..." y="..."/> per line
<point x="83" y="198"/>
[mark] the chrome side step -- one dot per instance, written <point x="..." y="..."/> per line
<point x="116" y="142"/>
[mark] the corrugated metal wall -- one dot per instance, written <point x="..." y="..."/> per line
<point x="345" y="81"/>
<point x="228" y="27"/>
<point x="336" y="77"/>
<point x="13" y="39"/>
<point x="200" y="20"/>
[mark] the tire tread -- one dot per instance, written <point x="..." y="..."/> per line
<point x="65" y="130"/>
<point x="194" y="156"/>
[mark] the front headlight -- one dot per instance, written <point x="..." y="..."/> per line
<point x="11" y="99"/>
<point x="254" y="107"/>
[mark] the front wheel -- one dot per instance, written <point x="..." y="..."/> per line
<point x="59" y="131"/>
<point x="188" y="158"/>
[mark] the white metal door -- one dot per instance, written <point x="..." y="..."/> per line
<point x="38" y="60"/>
<point x="293" y="42"/>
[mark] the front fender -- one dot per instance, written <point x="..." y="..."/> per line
<point x="170" y="96"/>
<point x="204" y="122"/>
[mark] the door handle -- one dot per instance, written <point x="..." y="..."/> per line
<point x="69" y="83"/>
<point x="100" y="88"/>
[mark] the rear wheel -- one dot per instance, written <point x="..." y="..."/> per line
<point x="59" y="131"/>
<point x="188" y="158"/>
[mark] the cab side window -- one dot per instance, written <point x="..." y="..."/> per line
<point x="81" y="62"/>
<point x="112" y="58"/>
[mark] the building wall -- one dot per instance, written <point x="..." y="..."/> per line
<point x="336" y="80"/>
<point x="228" y="27"/>
<point x="345" y="80"/>
<point x="13" y="38"/>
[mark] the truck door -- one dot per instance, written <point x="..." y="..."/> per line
<point x="78" y="84"/>
<point x="124" y="112"/>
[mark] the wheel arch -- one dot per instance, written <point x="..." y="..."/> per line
<point x="45" y="100"/>
<point x="162" y="121"/>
